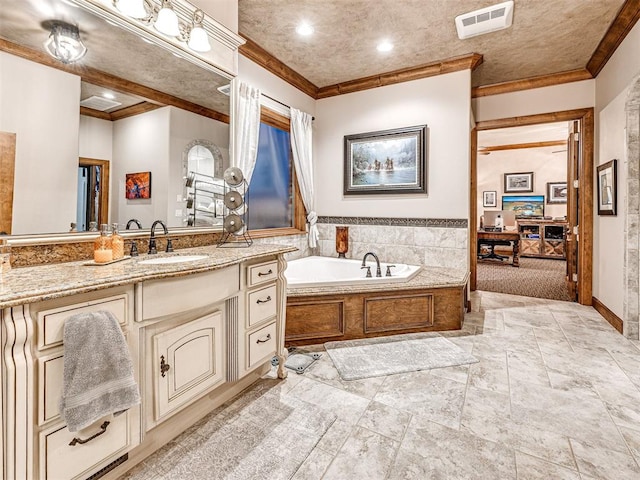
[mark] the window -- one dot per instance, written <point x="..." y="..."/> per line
<point x="273" y="199"/>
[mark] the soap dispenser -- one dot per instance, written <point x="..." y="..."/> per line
<point x="102" y="252"/>
<point x="117" y="242"/>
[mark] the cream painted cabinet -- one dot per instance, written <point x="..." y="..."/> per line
<point x="196" y="340"/>
<point x="187" y="361"/>
<point x="58" y="453"/>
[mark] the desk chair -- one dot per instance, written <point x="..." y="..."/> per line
<point x="488" y="220"/>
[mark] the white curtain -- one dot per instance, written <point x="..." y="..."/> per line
<point x="301" y="144"/>
<point x="246" y="119"/>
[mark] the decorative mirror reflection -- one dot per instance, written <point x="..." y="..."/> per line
<point x="60" y="114"/>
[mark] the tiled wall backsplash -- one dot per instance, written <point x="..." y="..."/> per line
<point x="417" y="241"/>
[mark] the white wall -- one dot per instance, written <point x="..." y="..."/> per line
<point x="545" y="165"/>
<point x="568" y="96"/>
<point x="442" y="102"/>
<point x="273" y="86"/>
<point x="95" y="139"/>
<point x="41" y="104"/>
<point x="186" y="127"/>
<point x="140" y="144"/>
<point x="612" y="87"/>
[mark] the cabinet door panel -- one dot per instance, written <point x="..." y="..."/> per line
<point x="187" y="361"/>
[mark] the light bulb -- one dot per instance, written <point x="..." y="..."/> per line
<point x="199" y="40"/>
<point x="132" y="8"/>
<point x="167" y="21"/>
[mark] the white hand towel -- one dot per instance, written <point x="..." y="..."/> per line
<point x="98" y="374"/>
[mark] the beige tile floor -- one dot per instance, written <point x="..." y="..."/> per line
<point x="555" y="395"/>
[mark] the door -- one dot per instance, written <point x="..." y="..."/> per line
<point x="573" y="192"/>
<point x="7" y="168"/>
<point x="93" y="191"/>
<point x="187" y="361"/>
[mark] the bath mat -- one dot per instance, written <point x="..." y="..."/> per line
<point x="298" y="361"/>
<point x="376" y="357"/>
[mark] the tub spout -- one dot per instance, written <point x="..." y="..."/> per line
<point x="364" y="262"/>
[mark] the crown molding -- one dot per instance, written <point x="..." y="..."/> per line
<point x="626" y="19"/>
<point x="259" y="55"/>
<point x="450" y="65"/>
<point x="532" y="82"/>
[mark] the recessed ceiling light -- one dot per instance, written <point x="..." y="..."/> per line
<point x="304" y="29"/>
<point x="108" y="95"/>
<point x="385" y="46"/>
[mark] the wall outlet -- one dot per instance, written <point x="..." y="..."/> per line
<point x="179" y="212"/>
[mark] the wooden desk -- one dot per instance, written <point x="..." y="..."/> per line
<point x="513" y="237"/>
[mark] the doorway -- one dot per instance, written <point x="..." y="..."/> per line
<point x="93" y="193"/>
<point x="580" y="194"/>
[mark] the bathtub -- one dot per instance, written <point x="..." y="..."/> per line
<point x="327" y="271"/>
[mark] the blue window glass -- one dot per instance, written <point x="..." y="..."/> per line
<point x="269" y="197"/>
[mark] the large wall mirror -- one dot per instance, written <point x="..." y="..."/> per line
<point x="129" y="105"/>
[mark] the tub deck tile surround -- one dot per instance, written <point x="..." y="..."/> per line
<point x="44" y="282"/>
<point x="428" y="277"/>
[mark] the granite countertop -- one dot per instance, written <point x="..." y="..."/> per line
<point x="427" y="277"/>
<point x="43" y="282"/>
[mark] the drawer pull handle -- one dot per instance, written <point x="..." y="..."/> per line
<point x="103" y="429"/>
<point x="266" y="340"/>
<point x="164" y="366"/>
<point x="260" y="274"/>
<point x="264" y="301"/>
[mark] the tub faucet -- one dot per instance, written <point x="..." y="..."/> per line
<point x="364" y="262"/>
<point x="133" y="220"/>
<point x="152" y="238"/>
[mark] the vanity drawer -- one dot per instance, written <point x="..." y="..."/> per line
<point x="169" y="296"/>
<point x="51" y="322"/>
<point x="262" y="273"/>
<point x="262" y="305"/>
<point x="262" y="344"/>
<point x="59" y="460"/>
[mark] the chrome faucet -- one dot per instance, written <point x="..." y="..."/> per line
<point x="133" y="220"/>
<point x="364" y="264"/>
<point x="152" y="238"/>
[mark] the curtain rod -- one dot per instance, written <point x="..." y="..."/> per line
<point x="278" y="101"/>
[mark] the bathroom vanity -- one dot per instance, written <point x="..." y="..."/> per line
<point x="199" y="332"/>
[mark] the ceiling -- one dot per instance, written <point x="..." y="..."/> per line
<point x="546" y="37"/>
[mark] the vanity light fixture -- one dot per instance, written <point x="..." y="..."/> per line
<point x="167" y="21"/>
<point x="198" y="38"/>
<point x="304" y="29"/>
<point x="64" y="42"/>
<point x="132" y="8"/>
<point x="385" y="46"/>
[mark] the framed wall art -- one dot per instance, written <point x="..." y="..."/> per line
<point x="138" y="185"/>
<point x="518" y="182"/>
<point x="557" y="192"/>
<point x="490" y="199"/>
<point x="607" y="188"/>
<point x="389" y="161"/>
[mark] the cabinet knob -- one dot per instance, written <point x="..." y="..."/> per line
<point x="164" y="366"/>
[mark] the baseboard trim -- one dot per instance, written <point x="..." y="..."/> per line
<point x="609" y="316"/>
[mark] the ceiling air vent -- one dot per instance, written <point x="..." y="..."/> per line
<point x="99" y="103"/>
<point x="225" y="89"/>
<point x="485" y="20"/>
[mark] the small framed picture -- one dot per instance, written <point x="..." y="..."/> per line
<point x="607" y="186"/>
<point x="557" y="192"/>
<point x="518" y="182"/>
<point x="490" y="199"/>
<point x="137" y="185"/>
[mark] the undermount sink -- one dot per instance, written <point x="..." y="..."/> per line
<point x="169" y="260"/>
